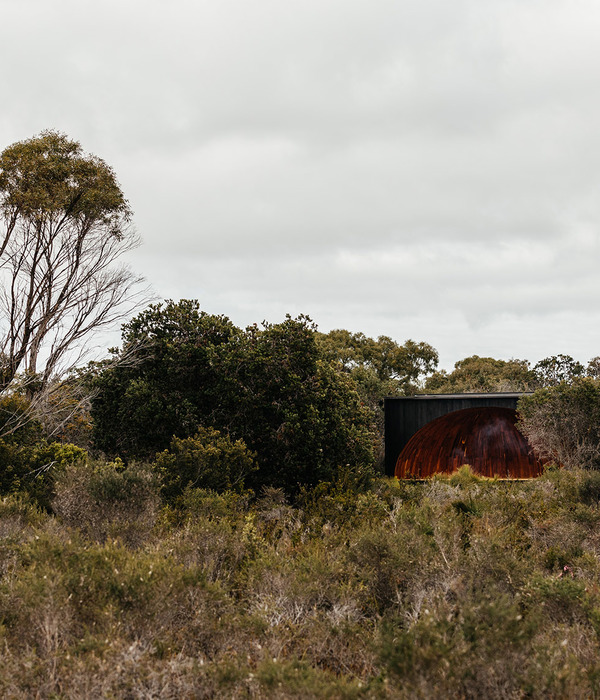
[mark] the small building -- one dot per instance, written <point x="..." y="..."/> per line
<point x="437" y="433"/>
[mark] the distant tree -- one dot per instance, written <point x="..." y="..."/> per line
<point x="380" y="366"/>
<point x="64" y="223"/>
<point x="483" y="374"/>
<point x="556" y="369"/>
<point x="562" y="422"/>
<point x="593" y="368"/>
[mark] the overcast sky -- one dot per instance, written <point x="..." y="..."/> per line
<point x="424" y="169"/>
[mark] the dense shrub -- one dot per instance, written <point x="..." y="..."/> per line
<point x="589" y="488"/>
<point x="562" y="422"/>
<point x="33" y="468"/>
<point x="208" y="460"/>
<point x="459" y="587"/>
<point x="29" y="460"/>
<point x="271" y="387"/>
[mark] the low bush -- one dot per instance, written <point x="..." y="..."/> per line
<point x="208" y="460"/>
<point x="32" y="468"/>
<point x="458" y="587"/>
<point x="108" y="500"/>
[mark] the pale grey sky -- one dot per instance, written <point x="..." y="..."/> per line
<point x="423" y="169"/>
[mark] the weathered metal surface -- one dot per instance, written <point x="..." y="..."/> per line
<point x="484" y="437"/>
<point x="405" y="415"/>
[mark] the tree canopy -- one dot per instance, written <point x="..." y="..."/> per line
<point x="551" y="371"/>
<point x="482" y="374"/>
<point x="485" y="374"/>
<point x="270" y="386"/>
<point x="379" y="366"/>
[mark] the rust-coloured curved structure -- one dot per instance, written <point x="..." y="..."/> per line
<point x="486" y="438"/>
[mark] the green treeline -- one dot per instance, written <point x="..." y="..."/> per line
<point x="211" y="405"/>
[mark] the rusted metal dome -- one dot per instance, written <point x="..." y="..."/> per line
<point x="486" y="438"/>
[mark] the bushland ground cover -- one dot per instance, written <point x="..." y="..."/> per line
<point x="458" y="587"/>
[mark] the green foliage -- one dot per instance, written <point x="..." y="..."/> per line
<point x="464" y="476"/>
<point x="466" y="649"/>
<point x="32" y="468"/>
<point x="559" y="368"/>
<point x="485" y="374"/>
<point x="593" y="368"/>
<point x="197" y="503"/>
<point x="172" y="385"/>
<point x="48" y="176"/>
<point x="482" y="374"/>
<point x="208" y="460"/>
<point x="562" y="422"/>
<point x="20" y="509"/>
<point x="268" y="386"/>
<point x="589" y="488"/>
<point x="380" y="367"/>
<point x="16" y="422"/>
<point x="302" y="416"/>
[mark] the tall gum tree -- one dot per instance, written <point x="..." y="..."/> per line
<point x="64" y="225"/>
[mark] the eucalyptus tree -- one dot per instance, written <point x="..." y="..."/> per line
<point x="64" y="225"/>
<point x="380" y="366"/>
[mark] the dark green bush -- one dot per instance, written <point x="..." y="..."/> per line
<point x="271" y="387"/>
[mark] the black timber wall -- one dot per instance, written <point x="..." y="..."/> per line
<point x="405" y="415"/>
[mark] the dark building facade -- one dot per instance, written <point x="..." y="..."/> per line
<point x="485" y="438"/>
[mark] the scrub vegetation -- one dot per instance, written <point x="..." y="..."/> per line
<point x="458" y="587"/>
